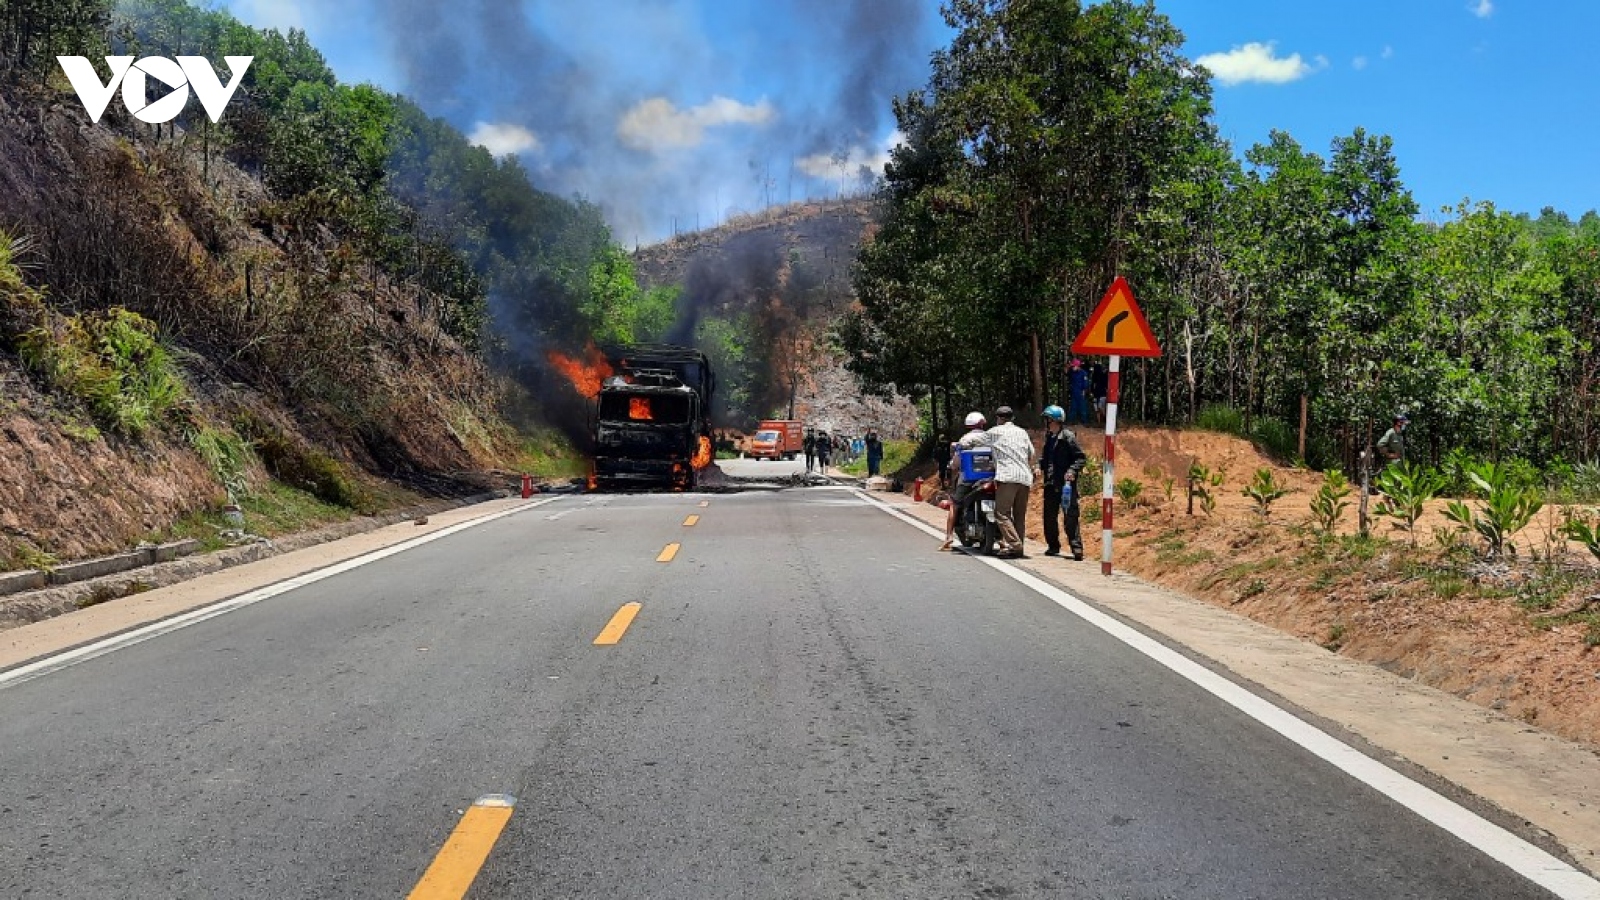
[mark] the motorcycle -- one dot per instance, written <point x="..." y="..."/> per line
<point x="976" y="525"/>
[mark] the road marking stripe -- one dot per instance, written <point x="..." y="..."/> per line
<point x="704" y="503"/>
<point x="459" y="860"/>
<point x="619" y="623"/>
<point x="58" y="661"/>
<point x="691" y="521"/>
<point x="667" y="554"/>
<point x="1513" y="852"/>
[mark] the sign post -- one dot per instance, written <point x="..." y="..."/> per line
<point x="1116" y="328"/>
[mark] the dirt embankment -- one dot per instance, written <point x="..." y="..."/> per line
<point x="287" y="337"/>
<point x="1512" y="636"/>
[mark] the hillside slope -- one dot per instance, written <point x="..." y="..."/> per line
<point x="785" y="276"/>
<point x="275" y="356"/>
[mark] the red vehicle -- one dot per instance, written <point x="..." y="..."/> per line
<point x="777" y="439"/>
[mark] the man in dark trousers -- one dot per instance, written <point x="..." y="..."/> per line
<point x="810" y="445"/>
<point x="1061" y="461"/>
<point x="874" y="452"/>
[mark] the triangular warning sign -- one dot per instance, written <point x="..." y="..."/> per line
<point x="1117" y="327"/>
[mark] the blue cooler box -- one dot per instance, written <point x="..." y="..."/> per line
<point x="977" y="464"/>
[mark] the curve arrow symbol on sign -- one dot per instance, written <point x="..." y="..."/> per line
<point x="1111" y="326"/>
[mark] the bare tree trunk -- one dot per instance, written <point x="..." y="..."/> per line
<point x="1036" y="372"/>
<point x="1304" y="402"/>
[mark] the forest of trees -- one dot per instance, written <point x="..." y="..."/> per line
<point x="1058" y="144"/>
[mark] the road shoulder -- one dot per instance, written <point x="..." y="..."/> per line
<point x="59" y="633"/>
<point x="1550" y="783"/>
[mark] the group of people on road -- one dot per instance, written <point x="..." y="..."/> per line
<point x="1014" y="458"/>
<point x="821" y="449"/>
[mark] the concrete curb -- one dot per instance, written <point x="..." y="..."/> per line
<point x="95" y="581"/>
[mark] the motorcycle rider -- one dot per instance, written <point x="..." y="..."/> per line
<point x="975" y="425"/>
<point x="1060" y="463"/>
<point x="1013" y="477"/>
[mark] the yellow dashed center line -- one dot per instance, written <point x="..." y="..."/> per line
<point x="691" y="521"/>
<point x="668" y="553"/>
<point x="619" y="623"/>
<point x="461" y="857"/>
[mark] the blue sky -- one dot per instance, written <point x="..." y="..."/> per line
<point x="688" y="111"/>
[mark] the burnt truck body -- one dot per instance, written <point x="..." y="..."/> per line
<point x="652" y="421"/>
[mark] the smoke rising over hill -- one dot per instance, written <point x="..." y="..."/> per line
<point x="669" y="114"/>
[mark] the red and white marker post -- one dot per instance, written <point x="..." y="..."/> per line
<point x="1116" y="328"/>
<point x="1113" y="390"/>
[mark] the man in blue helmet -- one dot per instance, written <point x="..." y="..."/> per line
<point x="1060" y="462"/>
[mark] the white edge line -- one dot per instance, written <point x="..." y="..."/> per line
<point x="56" y="662"/>
<point x="1521" y="857"/>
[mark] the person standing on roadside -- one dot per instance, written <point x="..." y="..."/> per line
<point x="1078" y="393"/>
<point x="1060" y="462"/>
<point x="1393" y="443"/>
<point x="824" y="450"/>
<point x="874" y="447"/>
<point x="941" y="455"/>
<point x="810" y="445"/>
<point x="1013" y="477"/>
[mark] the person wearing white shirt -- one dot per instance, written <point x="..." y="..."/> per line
<point x="1013" y="476"/>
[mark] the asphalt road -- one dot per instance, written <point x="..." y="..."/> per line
<point x="809" y="703"/>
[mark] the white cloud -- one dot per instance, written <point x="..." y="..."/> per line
<point x="1388" y="52"/>
<point x="1359" y="63"/>
<point x="1255" y="62"/>
<point x="1483" y="9"/>
<point x="658" y="124"/>
<point x="502" y="138"/>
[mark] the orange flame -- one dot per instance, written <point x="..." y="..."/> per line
<point x="702" y="456"/>
<point x="639" y="409"/>
<point x="586" y="374"/>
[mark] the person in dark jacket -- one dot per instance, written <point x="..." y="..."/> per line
<point x="1078" y="390"/>
<point x="874" y="452"/>
<point x="941" y="455"/>
<point x="810" y="445"/>
<point x="1061" y="462"/>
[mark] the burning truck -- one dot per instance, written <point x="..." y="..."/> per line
<point x="652" y="418"/>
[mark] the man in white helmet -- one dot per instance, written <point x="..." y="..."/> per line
<point x="1013" y="479"/>
<point x="975" y="425"/>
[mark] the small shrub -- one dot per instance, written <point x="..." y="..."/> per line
<point x="1407" y="488"/>
<point x="1201" y="481"/>
<point x="1507" y="504"/>
<point x="1093" y="474"/>
<point x="1583" y="483"/>
<point x="1329" y="503"/>
<point x="1585" y="529"/>
<point x="227" y="456"/>
<point x="1130" y="490"/>
<point x="1167" y="487"/>
<point x="1335" y="637"/>
<point x="1264" y="489"/>
<point x="1225" y="419"/>
<point x="110" y="362"/>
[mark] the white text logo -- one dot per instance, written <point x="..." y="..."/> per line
<point x="186" y="72"/>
